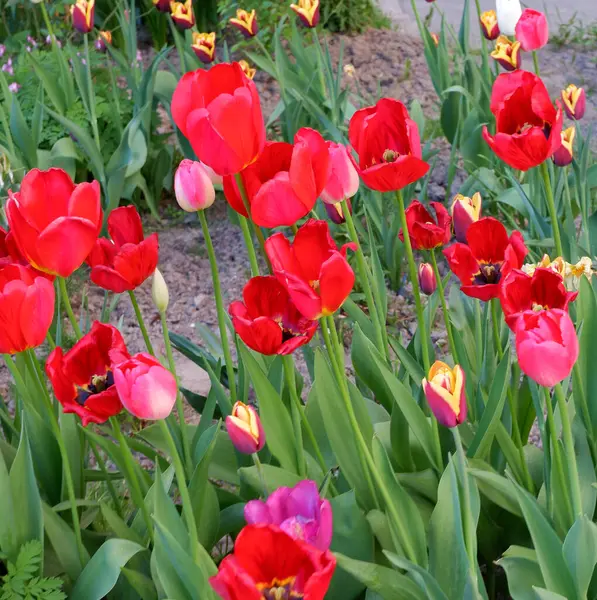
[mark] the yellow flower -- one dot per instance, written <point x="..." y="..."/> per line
<point x="307" y="11"/>
<point x="507" y="53"/>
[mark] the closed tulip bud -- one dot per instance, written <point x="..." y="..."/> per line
<point x="342" y="180"/>
<point x="465" y="211"/>
<point x="82" y="13"/>
<point x="427" y="280"/>
<point x="162" y="5"/>
<point x="532" y="30"/>
<point x="489" y="25"/>
<point x="336" y="211"/>
<point x="507" y="53"/>
<point x="435" y="38"/>
<point x="508" y="13"/>
<point x="204" y="46"/>
<point x="193" y="187"/>
<point x="248" y="70"/>
<point x="104" y="38"/>
<point x="159" y="292"/>
<point x="182" y="14"/>
<point x="245" y="22"/>
<point x="446" y="394"/>
<point x="307" y="11"/>
<point x="575" y="102"/>
<point x="564" y="155"/>
<point x="244" y="428"/>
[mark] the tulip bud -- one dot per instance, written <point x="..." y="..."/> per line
<point x="193" y="187"/>
<point x="565" y="153"/>
<point x="336" y="211"/>
<point x="465" y="211"/>
<point x="575" y="102"/>
<point x="435" y="38"/>
<point x="446" y="394"/>
<point x="82" y="13"/>
<point x="343" y="179"/>
<point x="307" y="11"/>
<point x="507" y="53"/>
<point x="427" y="281"/>
<point x="508" y="13"/>
<point x="182" y="14"/>
<point x="104" y="38"/>
<point x="162" y="5"/>
<point x="159" y="292"/>
<point x="532" y="30"/>
<point x="245" y="22"/>
<point x="248" y="70"/>
<point x="489" y="25"/>
<point x="244" y="428"/>
<point x="204" y="46"/>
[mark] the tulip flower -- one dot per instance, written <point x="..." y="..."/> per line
<point x="424" y="232"/>
<point x="489" y="25"/>
<point x="546" y="345"/>
<point x="162" y="5"/>
<point x="284" y="182"/>
<point x="55" y="223"/>
<point x="244" y="428"/>
<point x="219" y="112"/>
<point x="465" y="211"/>
<point x="342" y="179"/>
<point x="204" y="46"/>
<point x="159" y="292"/>
<point x="299" y="511"/>
<point x="103" y="39"/>
<point x="10" y="254"/>
<point x="575" y="102"/>
<point x="245" y="22"/>
<point x="388" y="146"/>
<point x="446" y="393"/>
<point x="528" y="127"/>
<point x="145" y="388"/>
<point x="336" y="211"/>
<point x="427" y="280"/>
<point x="570" y="273"/>
<point x="82" y="13"/>
<point x="307" y="11"/>
<point x="248" y="70"/>
<point x="487" y="257"/>
<point x="268" y="563"/>
<point x="126" y="261"/>
<point x="315" y="273"/>
<point x="26" y="308"/>
<point x="507" y="53"/>
<point x="268" y="321"/>
<point x="532" y="30"/>
<point x="435" y="38"/>
<point x="182" y="14"/>
<point x="193" y="187"/>
<point x="508" y="13"/>
<point x="83" y="379"/>
<point x="564" y="155"/>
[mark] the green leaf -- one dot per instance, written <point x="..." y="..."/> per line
<point x="51" y="85"/>
<point x="8" y="541"/>
<point x="423" y="578"/>
<point x="587" y="309"/>
<point x="523" y="572"/>
<point x="21" y="134"/>
<point x="275" y="477"/>
<point x="580" y="553"/>
<point x="543" y="594"/>
<point x="117" y="525"/>
<point x="142" y="584"/>
<point x="498" y="489"/>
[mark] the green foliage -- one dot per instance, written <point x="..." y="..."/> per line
<point x="351" y="16"/>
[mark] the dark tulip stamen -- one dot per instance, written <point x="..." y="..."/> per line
<point x="96" y="385"/>
<point x="488" y="273"/>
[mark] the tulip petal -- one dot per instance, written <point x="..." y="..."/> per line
<point x="37" y="312"/>
<point x="276" y="204"/>
<point x="124" y="226"/>
<point x="335" y="283"/>
<point x="85" y="202"/>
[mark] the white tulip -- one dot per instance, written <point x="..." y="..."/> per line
<point x="508" y="13"/>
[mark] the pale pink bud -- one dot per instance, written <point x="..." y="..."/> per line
<point x="193" y="187"/>
<point x="343" y="179"/>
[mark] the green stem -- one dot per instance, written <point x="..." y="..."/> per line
<point x="102" y="465"/>
<point x="141" y="322"/>
<point x="179" y="46"/>
<point x="551" y="206"/>
<point x="485" y="50"/>
<point x="219" y="306"/>
<point x="92" y="115"/>
<point x="496" y="328"/>
<point x="295" y="411"/>
<point x="536" y="63"/>
<point x="244" y="226"/>
<point x="68" y="307"/>
<point x="442" y="297"/>
<point x="261" y="474"/>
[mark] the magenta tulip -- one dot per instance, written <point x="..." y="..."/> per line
<point x="193" y="186"/>
<point x="343" y="179"/>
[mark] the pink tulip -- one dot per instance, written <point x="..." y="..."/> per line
<point x="193" y="187"/>
<point x="244" y="428"/>
<point x="446" y="393"/>
<point x="532" y="30"/>
<point x="343" y="179"/>
<point x="146" y="389"/>
<point x="427" y="280"/>
<point x="546" y="345"/>
<point x="299" y="511"/>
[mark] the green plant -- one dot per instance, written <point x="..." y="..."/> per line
<point x="352" y="16"/>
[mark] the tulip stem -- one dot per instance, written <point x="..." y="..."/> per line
<point x="551" y="206"/>
<point x="141" y="322"/>
<point x="91" y="93"/>
<point x="179" y="47"/>
<point x="295" y="411"/>
<point x="102" y="465"/>
<point x="442" y="297"/>
<point x="69" y="308"/>
<point x="485" y="60"/>
<point x="219" y="306"/>
<point x="536" y="63"/>
<point x="244" y="225"/>
<point x="261" y="474"/>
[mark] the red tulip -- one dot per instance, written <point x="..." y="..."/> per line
<point x="528" y="127"/>
<point x="54" y="222"/>
<point x="244" y="428"/>
<point x="245" y="22"/>
<point x="219" y="112"/>
<point x="284" y="183"/>
<point x="489" y="25"/>
<point x="465" y="211"/>
<point x="268" y="321"/>
<point x="82" y="13"/>
<point x="388" y="145"/>
<point x="204" y="46"/>
<point x="575" y="102"/>
<point x="507" y="53"/>
<point x="182" y="14"/>
<point x="427" y="280"/>
<point x="342" y="180"/>
<point x="124" y="263"/>
<point x="564" y="155"/>
<point x="307" y="11"/>
<point x="424" y="232"/>
<point x="487" y="259"/>
<point x="532" y="30"/>
<point x="543" y="291"/>
<point x="26" y="308"/>
<point x="83" y="379"/>
<point x="446" y="393"/>
<point x="268" y="563"/>
<point x="315" y="273"/>
<point x="546" y="345"/>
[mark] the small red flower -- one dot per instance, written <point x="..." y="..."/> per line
<point x="182" y="14"/>
<point x="268" y="321"/>
<point x="245" y="22"/>
<point x="387" y="142"/>
<point x="424" y="232"/>
<point x="307" y="11"/>
<point x="507" y="53"/>
<point x="427" y="280"/>
<point x="528" y="127"/>
<point x="315" y="273"/>
<point x="82" y="378"/>
<point x="489" y="25"/>
<point x="564" y="155"/>
<point x="204" y="46"/>
<point x="268" y="563"/>
<point x="487" y="259"/>
<point x="575" y="101"/>
<point x="124" y="263"/>
<point x="532" y="30"/>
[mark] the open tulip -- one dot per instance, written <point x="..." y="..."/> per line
<point x="343" y="179"/>
<point x="564" y="155"/>
<point x="284" y="183"/>
<point x="508" y="13"/>
<point x="575" y="102"/>
<point x="487" y="257"/>
<point x="245" y="22"/>
<point x="219" y="112"/>
<point x="145" y="388"/>
<point x="489" y="25"/>
<point x="465" y="211"/>
<point x="248" y="70"/>
<point x="307" y="11"/>
<point x="427" y="280"/>
<point x="299" y="511"/>
<point x="336" y="211"/>
<point x="446" y="393"/>
<point x="193" y="187"/>
<point x="507" y="53"/>
<point x="426" y="233"/>
<point x="82" y="13"/>
<point x="528" y="127"/>
<point x="26" y="308"/>
<point x="570" y="273"/>
<point x="315" y="273"/>
<point x="268" y="321"/>
<point x="244" y="428"/>
<point x="55" y="223"/>
<point x="532" y="30"/>
<point x="83" y="379"/>
<point x="182" y="14"/>
<point x="162" y="5"/>
<point x="387" y="142"/>
<point x="546" y="345"/>
<point x="204" y="46"/>
<point x="126" y="261"/>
